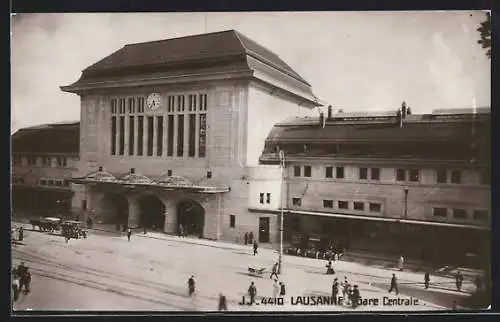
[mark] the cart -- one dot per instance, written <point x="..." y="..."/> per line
<point x="256" y="271"/>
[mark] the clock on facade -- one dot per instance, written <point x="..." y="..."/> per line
<point x="153" y="101"/>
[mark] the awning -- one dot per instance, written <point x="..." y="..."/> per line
<point x="133" y="180"/>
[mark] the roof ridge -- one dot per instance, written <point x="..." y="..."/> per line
<point x="181" y="37"/>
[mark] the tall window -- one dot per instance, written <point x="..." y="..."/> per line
<point x="375" y="173"/>
<point x="261" y="198"/>
<point x="122" y="106"/>
<point x="414" y="175"/>
<point x="441" y="176"/>
<point x="170" y="136"/>
<point x="307" y="171"/>
<point x="131" y="105"/>
<point x="363" y="173"/>
<point x="150" y="135"/>
<point x="268" y="197"/>
<point x="113" y="135"/>
<point x="140" y="134"/>
<point x="114" y="106"/>
<point x="340" y="173"/>
<point x="140" y="104"/>
<point x="400" y="175"/>
<point x="159" y="136"/>
<point x="232" y="219"/>
<point x="296" y="171"/>
<point x="180" y="103"/>
<point x="329" y="172"/>
<point x="122" y="132"/>
<point x="180" y="135"/>
<point x="202" y="134"/>
<point x="203" y="102"/>
<point x="192" y="133"/>
<point x="456" y="176"/>
<point x="171" y="104"/>
<point x="131" y="135"/>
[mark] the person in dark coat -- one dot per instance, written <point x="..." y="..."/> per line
<point x="129" y="233"/>
<point x="427" y="279"/>
<point x="250" y="237"/>
<point x="274" y="271"/>
<point x="222" y="303"/>
<point x="459" y="279"/>
<point x="335" y="290"/>
<point x="16" y="284"/>
<point x="329" y="268"/>
<point x="282" y="289"/>
<point x="394" y="284"/>
<point x="21" y="273"/>
<point x="191" y="285"/>
<point x="255" y="247"/>
<point x="246" y="238"/>
<point x="21" y="233"/>
<point x="252" y="291"/>
<point x="27" y="281"/>
<point x="355" y="296"/>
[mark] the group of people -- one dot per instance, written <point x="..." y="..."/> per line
<point x="349" y="292"/>
<point x="21" y="279"/>
<point x="191" y="292"/>
<point x="18" y="233"/>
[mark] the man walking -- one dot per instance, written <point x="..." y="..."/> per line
<point x="394" y="284"/>
<point x="427" y="279"/>
<point x="401" y="263"/>
<point x="191" y="285"/>
<point x="129" y="233"/>
<point x="276" y="288"/>
<point x="459" y="279"/>
<point x="335" y="290"/>
<point x="282" y="289"/>
<point x="252" y="291"/>
<point x="222" y="303"/>
<point x="274" y="271"/>
<point x="255" y="247"/>
<point x="355" y="296"/>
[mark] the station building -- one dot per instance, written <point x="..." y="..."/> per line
<point x="390" y="181"/>
<point x="171" y="133"/>
<point x="44" y="159"/>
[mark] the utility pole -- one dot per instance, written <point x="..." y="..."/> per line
<point x="282" y="168"/>
<point x="405" y="217"/>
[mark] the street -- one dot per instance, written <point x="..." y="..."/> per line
<point x="106" y="272"/>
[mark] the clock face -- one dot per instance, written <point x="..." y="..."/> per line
<point x="154" y="101"/>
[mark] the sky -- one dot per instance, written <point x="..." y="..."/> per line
<point x="356" y="61"/>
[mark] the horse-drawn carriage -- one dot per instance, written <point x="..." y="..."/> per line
<point x="73" y="229"/>
<point x="46" y="224"/>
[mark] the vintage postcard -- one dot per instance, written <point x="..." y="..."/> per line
<point x="271" y="161"/>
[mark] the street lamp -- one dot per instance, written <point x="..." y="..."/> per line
<point x="405" y="216"/>
<point x="282" y="168"/>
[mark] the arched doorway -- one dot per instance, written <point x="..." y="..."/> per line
<point x="152" y="212"/>
<point x="114" y="209"/>
<point x="191" y="216"/>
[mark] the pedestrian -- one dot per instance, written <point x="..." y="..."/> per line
<point x="459" y="278"/>
<point x="401" y="263"/>
<point x="21" y="272"/>
<point x="145" y="230"/>
<point x="427" y="279"/>
<point x="222" y="303"/>
<point x="252" y="291"/>
<point x="250" y="237"/>
<point x="191" y="285"/>
<point x="394" y="284"/>
<point x="345" y="287"/>
<point x="255" y="247"/>
<point x="181" y="230"/>
<point x="335" y="290"/>
<point x="129" y="233"/>
<point x="355" y="296"/>
<point x="276" y="288"/>
<point x="282" y="289"/>
<point x="329" y="268"/>
<point x="274" y="271"/>
<point x="15" y="286"/>
<point x="21" y="233"/>
<point x="246" y="238"/>
<point x="27" y="281"/>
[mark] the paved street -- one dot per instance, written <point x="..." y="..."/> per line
<point x="106" y="272"/>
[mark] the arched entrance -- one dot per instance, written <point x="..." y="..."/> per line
<point x="191" y="216"/>
<point x="152" y="212"/>
<point x="114" y="209"/>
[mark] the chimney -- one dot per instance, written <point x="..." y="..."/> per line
<point x="329" y="112"/>
<point x="321" y="118"/>
<point x="132" y="170"/>
<point x="100" y="169"/>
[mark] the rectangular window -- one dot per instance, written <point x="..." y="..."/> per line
<point x="64" y="163"/>
<point x="261" y="198"/>
<point x="307" y="171"/>
<point x="340" y="173"/>
<point x="203" y="102"/>
<point x="159" y="136"/>
<point x="480" y="215"/>
<point x="113" y="106"/>
<point x="375" y="207"/>
<point x="296" y="202"/>
<point x="400" y="175"/>
<point x="202" y="136"/>
<point x="131" y="134"/>
<point x="43" y="182"/>
<point x="113" y="135"/>
<point x="439" y="212"/>
<point x="414" y="175"/>
<point x="131" y="105"/>
<point x="59" y="161"/>
<point x="59" y="183"/>
<point x="375" y="173"/>
<point x="150" y="135"/>
<point x="295" y="224"/>
<point x="169" y="172"/>
<point x="296" y="171"/>
<point x="359" y="205"/>
<point x="343" y="204"/>
<point x="441" y="176"/>
<point x="327" y="203"/>
<point x="170" y="136"/>
<point x="192" y="135"/>
<point x="180" y="135"/>
<point x="363" y="173"/>
<point x="268" y="197"/>
<point x="122" y="135"/>
<point x="50" y="182"/>
<point x="459" y="214"/>
<point x="456" y="176"/>
<point x="329" y="172"/>
<point x="140" y="135"/>
<point x="232" y="221"/>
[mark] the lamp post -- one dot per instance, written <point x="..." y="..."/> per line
<point x="282" y="168"/>
<point x="405" y="216"/>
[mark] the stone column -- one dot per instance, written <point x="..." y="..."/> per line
<point x="133" y="212"/>
<point x="155" y="135"/>
<point x="170" y="217"/>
